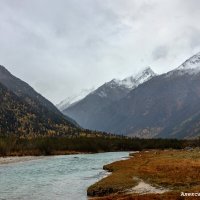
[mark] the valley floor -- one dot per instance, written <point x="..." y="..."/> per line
<point x="155" y="174"/>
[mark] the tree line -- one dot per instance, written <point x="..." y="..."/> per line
<point x="12" y="145"/>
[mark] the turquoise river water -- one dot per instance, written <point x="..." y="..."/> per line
<point x="54" y="177"/>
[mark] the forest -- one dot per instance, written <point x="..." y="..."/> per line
<point x="16" y="146"/>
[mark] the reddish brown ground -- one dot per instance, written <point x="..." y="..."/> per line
<point x="176" y="170"/>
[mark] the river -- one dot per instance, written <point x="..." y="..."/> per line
<point x="54" y="177"/>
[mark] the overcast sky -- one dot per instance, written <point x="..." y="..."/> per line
<point x="63" y="46"/>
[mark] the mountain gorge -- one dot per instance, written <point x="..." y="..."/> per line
<point x="165" y="105"/>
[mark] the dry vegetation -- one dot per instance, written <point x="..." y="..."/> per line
<point x="176" y="170"/>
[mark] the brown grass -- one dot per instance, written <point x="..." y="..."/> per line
<point x="166" y="196"/>
<point x="177" y="170"/>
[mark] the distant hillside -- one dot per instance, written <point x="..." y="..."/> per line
<point x="22" y="89"/>
<point x="21" y="118"/>
<point x="23" y="111"/>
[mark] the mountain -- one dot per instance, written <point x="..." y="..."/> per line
<point x="23" y="111"/>
<point x="190" y="66"/>
<point x="73" y="99"/>
<point x="84" y="110"/>
<point x="132" y="82"/>
<point x="22" y="89"/>
<point x="165" y="106"/>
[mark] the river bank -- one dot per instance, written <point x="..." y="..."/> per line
<point x="33" y="155"/>
<point x="155" y="174"/>
<point x="15" y="159"/>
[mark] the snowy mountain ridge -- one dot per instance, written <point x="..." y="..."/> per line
<point x="120" y="87"/>
<point x="127" y="84"/>
<point x="73" y="99"/>
<point x="141" y="77"/>
<point x="132" y="82"/>
<point x="191" y="63"/>
<point x="190" y="66"/>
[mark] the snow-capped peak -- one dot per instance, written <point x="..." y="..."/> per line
<point x="104" y="91"/>
<point x="132" y="82"/>
<point x="73" y="99"/>
<point x="141" y="77"/>
<point x="125" y="84"/>
<point x="190" y="66"/>
<point x="192" y="63"/>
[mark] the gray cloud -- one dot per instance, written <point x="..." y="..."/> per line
<point x="63" y="46"/>
<point x="160" y="52"/>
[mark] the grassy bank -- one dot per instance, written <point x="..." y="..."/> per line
<point x="12" y="145"/>
<point x="175" y="170"/>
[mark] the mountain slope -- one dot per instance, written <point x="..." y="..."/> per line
<point x="85" y="110"/>
<point x="22" y="89"/>
<point x="165" y="106"/>
<point x="24" y="111"/>
<point x="20" y="118"/>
